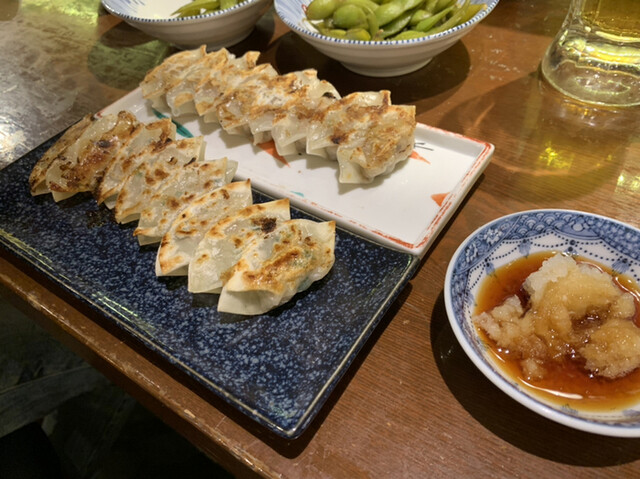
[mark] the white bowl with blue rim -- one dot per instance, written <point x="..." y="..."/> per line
<point x="216" y="29"/>
<point x="603" y="240"/>
<point x="376" y="59"/>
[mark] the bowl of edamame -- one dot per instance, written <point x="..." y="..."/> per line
<point x="191" y="23"/>
<point x="382" y="38"/>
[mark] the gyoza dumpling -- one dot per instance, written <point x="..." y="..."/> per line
<point x="193" y="180"/>
<point x="37" y="183"/>
<point x="224" y="79"/>
<point x="180" y="242"/>
<point x="149" y="177"/>
<point x="82" y="165"/>
<point x="274" y="268"/>
<point x="169" y="73"/>
<point x="180" y="97"/>
<point x="222" y="246"/>
<point x="322" y="126"/>
<point x="291" y="125"/>
<point x="252" y="106"/>
<point x="148" y="138"/>
<point x="389" y="139"/>
<point x="365" y="133"/>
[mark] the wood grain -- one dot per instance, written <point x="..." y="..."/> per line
<point x="412" y="404"/>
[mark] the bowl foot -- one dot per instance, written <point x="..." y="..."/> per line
<point x="385" y="72"/>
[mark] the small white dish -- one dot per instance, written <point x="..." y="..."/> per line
<point x="216" y="30"/>
<point x="376" y="59"/>
<point x="603" y="240"/>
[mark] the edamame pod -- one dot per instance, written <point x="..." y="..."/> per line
<point x="428" y="23"/>
<point x="364" y="4"/>
<point x="453" y="20"/>
<point x="442" y="4"/>
<point x="409" y="35"/>
<point x="195" y="7"/>
<point x="430" y="5"/>
<point x="388" y="12"/>
<point x="472" y="11"/>
<point x="397" y="25"/>
<point x="372" y="22"/>
<point x="321" y="9"/>
<point x="411" y="4"/>
<point x="224" y="4"/>
<point x="333" y="32"/>
<point x="349" y="16"/>
<point x="358" y="34"/>
<point x="419" y="15"/>
<point x="379" y="20"/>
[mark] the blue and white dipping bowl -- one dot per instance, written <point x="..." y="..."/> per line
<point x="605" y="241"/>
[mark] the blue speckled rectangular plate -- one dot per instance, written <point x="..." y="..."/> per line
<point x="278" y="368"/>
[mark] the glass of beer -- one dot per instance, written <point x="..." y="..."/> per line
<point x="595" y="57"/>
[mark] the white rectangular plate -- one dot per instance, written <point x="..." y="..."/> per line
<point x="405" y="209"/>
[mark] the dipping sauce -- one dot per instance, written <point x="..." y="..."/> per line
<point x="555" y="370"/>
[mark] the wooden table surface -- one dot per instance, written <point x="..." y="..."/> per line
<point x="412" y="404"/>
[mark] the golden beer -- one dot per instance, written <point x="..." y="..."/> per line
<point x="596" y="55"/>
<point x="614" y="17"/>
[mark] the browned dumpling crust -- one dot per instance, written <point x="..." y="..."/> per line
<point x="37" y="182"/>
<point x="82" y="166"/>
<point x="363" y="131"/>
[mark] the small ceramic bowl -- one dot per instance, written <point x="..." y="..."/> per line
<point x="600" y="239"/>
<point x="216" y="30"/>
<point x="376" y="59"/>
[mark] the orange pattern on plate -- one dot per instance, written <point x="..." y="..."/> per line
<point x="439" y="198"/>
<point x="270" y="147"/>
<point x="416" y="156"/>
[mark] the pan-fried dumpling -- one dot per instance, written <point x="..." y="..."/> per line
<point x="274" y="268"/>
<point x="98" y="127"/>
<point x="365" y="133"/>
<point x="291" y="125"/>
<point x="389" y="139"/>
<point x="149" y="177"/>
<point x="149" y="138"/>
<point x="193" y="180"/>
<point x="320" y="140"/>
<point x="252" y="106"/>
<point x="223" y="80"/>
<point x="37" y="183"/>
<point x="169" y="73"/>
<point x="180" y="242"/>
<point x="180" y="97"/>
<point x="222" y="246"/>
<point x="81" y="167"/>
